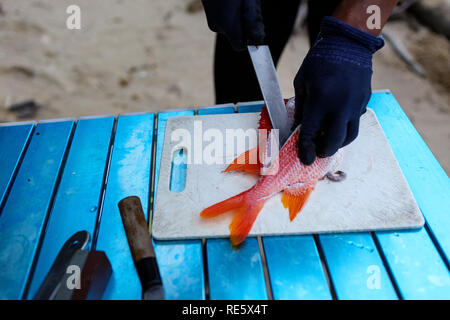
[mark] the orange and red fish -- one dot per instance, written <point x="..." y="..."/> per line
<point x="292" y="177"/>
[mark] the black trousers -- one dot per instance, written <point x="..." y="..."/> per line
<point x="234" y="77"/>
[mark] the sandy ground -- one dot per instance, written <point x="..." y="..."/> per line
<point x="152" y="55"/>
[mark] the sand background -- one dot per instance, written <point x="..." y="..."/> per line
<point x="146" y="55"/>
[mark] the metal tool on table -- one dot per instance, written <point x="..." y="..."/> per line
<point x="270" y="88"/>
<point x="76" y="274"/>
<point x="141" y="247"/>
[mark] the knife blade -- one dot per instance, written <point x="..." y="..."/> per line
<point x="141" y="248"/>
<point x="52" y="282"/>
<point x="94" y="272"/>
<point x="270" y="88"/>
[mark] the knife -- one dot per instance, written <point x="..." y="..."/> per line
<point x="141" y="248"/>
<point x="94" y="272"/>
<point x="268" y="82"/>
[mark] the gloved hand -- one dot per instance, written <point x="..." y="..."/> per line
<point x="332" y="88"/>
<point x="239" y="20"/>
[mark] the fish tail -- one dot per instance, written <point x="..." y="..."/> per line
<point x="230" y="204"/>
<point x="243" y="220"/>
<point x="246" y="210"/>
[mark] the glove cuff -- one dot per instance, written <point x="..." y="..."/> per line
<point x="342" y="42"/>
<point x="333" y="26"/>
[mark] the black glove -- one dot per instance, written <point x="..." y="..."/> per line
<point x="239" y="20"/>
<point x="332" y="88"/>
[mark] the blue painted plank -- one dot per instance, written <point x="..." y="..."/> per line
<point x="427" y="179"/>
<point x="356" y="268"/>
<point x="24" y="214"/>
<point x="234" y="273"/>
<point x="417" y="267"/>
<point x="181" y="267"/>
<point x="218" y="109"/>
<point x="250" y="107"/>
<point x="415" y="262"/>
<point x="295" y="269"/>
<point x="180" y="262"/>
<point x="79" y="193"/>
<point x="13" y="140"/>
<point x="129" y="174"/>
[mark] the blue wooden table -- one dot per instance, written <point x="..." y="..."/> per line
<point x="59" y="177"/>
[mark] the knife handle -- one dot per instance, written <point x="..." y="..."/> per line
<point x="148" y="272"/>
<point x="136" y="228"/>
<point x="140" y="242"/>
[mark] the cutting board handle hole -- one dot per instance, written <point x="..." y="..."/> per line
<point x="178" y="171"/>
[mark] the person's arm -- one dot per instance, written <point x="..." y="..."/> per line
<point x="354" y="13"/>
<point x="333" y="85"/>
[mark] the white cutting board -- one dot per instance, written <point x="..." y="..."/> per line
<point x="374" y="195"/>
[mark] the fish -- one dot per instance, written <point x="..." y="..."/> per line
<point x="287" y="174"/>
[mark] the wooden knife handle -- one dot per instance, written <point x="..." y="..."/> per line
<point x="136" y="228"/>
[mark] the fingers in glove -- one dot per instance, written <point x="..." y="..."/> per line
<point x="226" y="17"/>
<point x="352" y="132"/>
<point x="253" y="22"/>
<point x="311" y="123"/>
<point x="299" y="102"/>
<point x="334" y="133"/>
<point x="212" y="14"/>
<point x="300" y="95"/>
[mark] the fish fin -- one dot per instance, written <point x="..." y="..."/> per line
<point x="264" y="120"/>
<point x="243" y="162"/>
<point x="243" y="221"/>
<point x="295" y="200"/>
